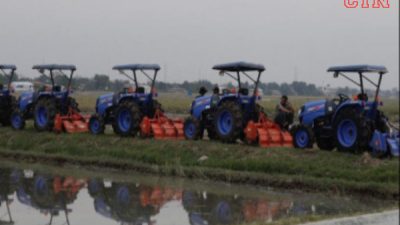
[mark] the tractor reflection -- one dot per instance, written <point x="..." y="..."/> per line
<point x="7" y="189"/>
<point x="130" y="203"/>
<point x="51" y="195"/>
<point x="207" y="208"/>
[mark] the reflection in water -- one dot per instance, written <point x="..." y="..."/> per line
<point x="138" y="203"/>
<point x="7" y="188"/>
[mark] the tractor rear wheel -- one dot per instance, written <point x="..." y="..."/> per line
<point x="228" y="122"/>
<point x="192" y="129"/>
<point x="352" y="132"/>
<point x="17" y="120"/>
<point x="303" y="136"/>
<point x="96" y="124"/>
<point x="127" y="119"/>
<point x="44" y="114"/>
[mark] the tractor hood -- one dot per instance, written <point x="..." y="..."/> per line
<point x="312" y="110"/>
<point x="104" y="102"/>
<point x="104" y="99"/>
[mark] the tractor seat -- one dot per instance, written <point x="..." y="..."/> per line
<point x="244" y="91"/>
<point x="140" y="90"/>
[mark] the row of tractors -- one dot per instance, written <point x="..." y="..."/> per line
<point x="138" y="203"/>
<point x="351" y="125"/>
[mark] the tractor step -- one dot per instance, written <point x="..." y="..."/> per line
<point x="267" y="133"/>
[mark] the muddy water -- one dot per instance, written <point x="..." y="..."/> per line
<point x="32" y="194"/>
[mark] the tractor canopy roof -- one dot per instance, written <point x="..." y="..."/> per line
<point x="137" y="67"/>
<point x="359" y="69"/>
<point x="54" y="67"/>
<point x="7" y="67"/>
<point x="239" y="67"/>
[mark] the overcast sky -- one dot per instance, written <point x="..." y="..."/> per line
<point x="294" y="39"/>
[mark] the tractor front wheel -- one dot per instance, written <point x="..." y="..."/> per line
<point x="17" y="120"/>
<point x="303" y="136"/>
<point x="192" y="129"/>
<point x="228" y="122"/>
<point x="352" y="132"/>
<point x="127" y="119"/>
<point x="44" y="114"/>
<point x="96" y="124"/>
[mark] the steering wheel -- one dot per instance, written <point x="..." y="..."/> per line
<point x="343" y="97"/>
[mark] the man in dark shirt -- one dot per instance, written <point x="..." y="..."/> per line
<point x="202" y="92"/>
<point x="284" y="113"/>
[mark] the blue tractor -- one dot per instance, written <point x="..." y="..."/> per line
<point x="348" y="124"/>
<point x="43" y="105"/>
<point x="124" y="110"/>
<point x="233" y="115"/>
<point x="7" y="100"/>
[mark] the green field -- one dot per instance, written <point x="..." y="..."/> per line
<point x="310" y="170"/>
<point x="180" y="103"/>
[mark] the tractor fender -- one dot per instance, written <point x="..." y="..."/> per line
<point x="130" y="98"/>
<point x="225" y="98"/>
<point x="350" y="104"/>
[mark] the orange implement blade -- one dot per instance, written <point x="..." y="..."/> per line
<point x="161" y="127"/>
<point x="268" y="134"/>
<point x="145" y="127"/>
<point x="77" y="126"/>
<point x="169" y="130"/>
<point x="158" y="131"/>
<point x="178" y="124"/>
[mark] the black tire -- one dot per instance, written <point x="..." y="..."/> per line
<point x="303" y="136"/>
<point x="323" y="143"/>
<point x="19" y="125"/>
<point x="192" y="129"/>
<point x="237" y="122"/>
<point x="97" y="128"/>
<point x="50" y="106"/>
<point x="136" y="119"/>
<point x="363" y="131"/>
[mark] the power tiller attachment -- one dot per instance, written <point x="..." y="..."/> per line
<point x="72" y="122"/>
<point x="267" y="133"/>
<point x="162" y="127"/>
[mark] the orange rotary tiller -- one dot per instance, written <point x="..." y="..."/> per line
<point x="267" y="133"/>
<point x="72" y="122"/>
<point x="162" y="127"/>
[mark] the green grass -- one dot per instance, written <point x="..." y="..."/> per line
<point x="281" y="167"/>
<point x="180" y="103"/>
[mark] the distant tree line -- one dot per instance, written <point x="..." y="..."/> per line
<point x="102" y="82"/>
